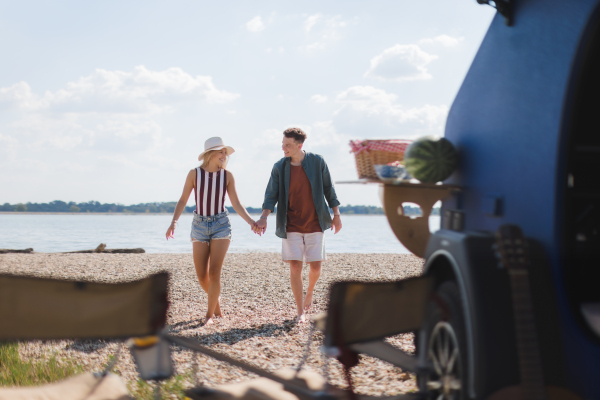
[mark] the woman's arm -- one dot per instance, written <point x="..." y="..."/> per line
<point x="235" y="202"/>
<point x="190" y="181"/>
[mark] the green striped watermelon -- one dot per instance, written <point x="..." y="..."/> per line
<point x="431" y="159"/>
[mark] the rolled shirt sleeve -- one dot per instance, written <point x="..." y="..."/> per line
<point x="328" y="188"/>
<point x="272" y="191"/>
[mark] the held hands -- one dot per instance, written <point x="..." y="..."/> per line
<point x="254" y="228"/>
<point x="336" y="224"/>
<point x="259" y="227"/>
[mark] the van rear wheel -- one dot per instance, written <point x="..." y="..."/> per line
<point x="442" y="344"/>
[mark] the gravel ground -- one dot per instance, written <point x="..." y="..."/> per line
<point x="256" y="298"/>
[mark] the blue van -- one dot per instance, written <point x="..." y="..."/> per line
<point x="526" y="123"/>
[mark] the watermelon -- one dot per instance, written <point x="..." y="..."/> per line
<point x="431" y="159"/>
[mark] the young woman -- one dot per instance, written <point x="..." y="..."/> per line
<point x="211" y="229"/>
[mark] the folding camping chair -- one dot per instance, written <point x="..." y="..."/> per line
<point x="362" y="314"/>
<point x="357" y="322"/>
<point x="46" y="309"/>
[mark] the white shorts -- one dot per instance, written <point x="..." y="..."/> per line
<point x="306" y="247"/>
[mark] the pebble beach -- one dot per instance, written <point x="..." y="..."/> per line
<point x="259" y="309"/>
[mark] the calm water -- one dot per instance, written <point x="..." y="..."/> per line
<point x="56" y="233"/>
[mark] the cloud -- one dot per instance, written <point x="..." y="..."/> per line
<point x="255" y="24"/>
<point x="106" y="112"/>
<point x="323" y="134"/>
<point x="43" y="131"/>
<point x="402" y="62"/>
<point x="370" y="101"/>
<point x="323" y="32"/>
<point x="268" y="136"/>
<point x="318" y="98"/>
<point x="444" y="40"/>
<point x="19" y="96"/>
<point x="320" y="134"/>
<point x="116" y="133"/>
<point x="311" y="21"/>
<point x="138" y="91"/>
<point x="322" y="138"/>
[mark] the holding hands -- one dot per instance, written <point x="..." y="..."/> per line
<point x="259" y="227"/>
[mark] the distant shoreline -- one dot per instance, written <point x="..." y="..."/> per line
<point x="125" y="213"/>
<point x="78" y="213"/>
<point x="91" y="213"/>
<point x="95" y="207"/>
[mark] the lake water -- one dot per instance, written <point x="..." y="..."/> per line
<point x="60" y="232"/>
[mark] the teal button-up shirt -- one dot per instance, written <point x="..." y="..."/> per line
<point x="278" y="190"/>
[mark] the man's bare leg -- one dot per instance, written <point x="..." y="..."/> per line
<point x="201" y="262"/>
<point x="296" y="283"/>
<point x="218" y="250"/>
<point x="313" y="276"/>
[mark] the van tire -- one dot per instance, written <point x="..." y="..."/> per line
<point x="442" y="344"/>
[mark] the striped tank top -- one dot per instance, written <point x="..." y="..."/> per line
<point x="210" y="192"/>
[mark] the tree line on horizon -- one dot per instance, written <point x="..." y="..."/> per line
<point x="165" y="207"/>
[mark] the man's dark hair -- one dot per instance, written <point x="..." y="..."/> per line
<point x="295" y="133"/>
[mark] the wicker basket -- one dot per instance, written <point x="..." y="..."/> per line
<point x="366" y="159"/>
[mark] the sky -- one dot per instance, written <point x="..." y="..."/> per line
<point x="112" y="101"/>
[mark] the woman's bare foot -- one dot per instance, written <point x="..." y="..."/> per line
<point x="209" y="321"/>
<point x="308" y="301"/>
<point x="301" y="318"/>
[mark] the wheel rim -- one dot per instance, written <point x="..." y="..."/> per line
<point x="444" y="381"/>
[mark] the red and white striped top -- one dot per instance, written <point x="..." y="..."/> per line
<point x="210" y="192"/>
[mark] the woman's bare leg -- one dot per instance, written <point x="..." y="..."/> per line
<point x="201" y="262"/>
<point x="218" y="250"/>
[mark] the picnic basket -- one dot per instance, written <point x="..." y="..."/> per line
<point x="372" y="152"/>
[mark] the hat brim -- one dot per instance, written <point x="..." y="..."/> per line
<point x="230" y="151"/>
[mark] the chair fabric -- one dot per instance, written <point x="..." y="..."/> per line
<point x="40" y="308"/>
<point x="366" y="311"/>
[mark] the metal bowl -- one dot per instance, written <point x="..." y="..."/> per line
<point x="387" y="172"/>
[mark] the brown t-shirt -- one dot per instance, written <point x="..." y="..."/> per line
<point x="301" y="214"/>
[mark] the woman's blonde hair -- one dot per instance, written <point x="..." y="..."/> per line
<point x="206" y="158"/>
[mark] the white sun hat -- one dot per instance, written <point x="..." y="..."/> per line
<point x="215" y="143"/>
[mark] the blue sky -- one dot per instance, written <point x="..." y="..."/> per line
<point x="112" y="101"/>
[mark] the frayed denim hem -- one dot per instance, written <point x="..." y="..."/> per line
<point x="207" y="242"/>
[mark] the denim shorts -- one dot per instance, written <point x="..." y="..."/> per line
<point x="205" y="229"/>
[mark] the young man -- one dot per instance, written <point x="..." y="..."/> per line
<point x="300" y="183"/>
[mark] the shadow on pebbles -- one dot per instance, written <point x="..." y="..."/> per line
<point x="256" y="299"/>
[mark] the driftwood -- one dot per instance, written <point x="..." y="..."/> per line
<point x="112" y="251"/>
<point x="4" y="251"/>
<point x="102" y="249"/>
<point x="98" y="249"/>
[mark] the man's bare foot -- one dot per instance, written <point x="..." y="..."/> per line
<point x="308" y="301"/>
<point x="301" y="318"/>
<point x="209" y="321"/>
